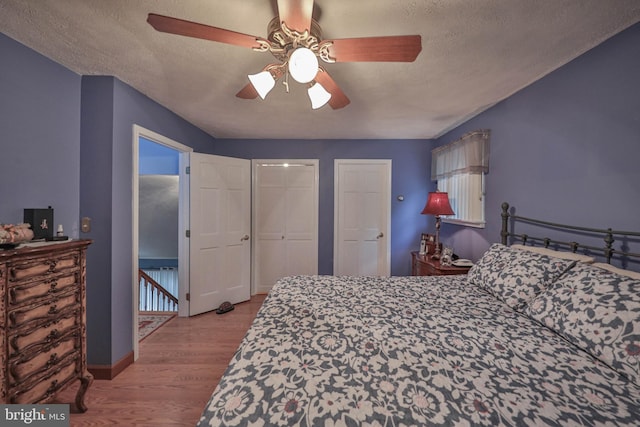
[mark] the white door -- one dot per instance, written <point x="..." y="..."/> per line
<point x="220" y="224"/>
<point x="362" y="197"/>
<point x="285" y="220"/>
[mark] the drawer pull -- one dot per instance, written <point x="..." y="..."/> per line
<point x="53" y="360"/>
<point x="53" y="335"/>
<point x="53" y="387"/>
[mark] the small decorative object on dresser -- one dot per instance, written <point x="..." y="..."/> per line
<point x="447" y="256"/>
<point x="424" y="265"/>
<point x="428" y="244"/>
<point x="423" y="244"/>
<point x="43" y="322"/>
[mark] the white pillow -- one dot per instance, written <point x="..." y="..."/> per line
<point x="558" y="254"/>
<point x="620" y="271"/>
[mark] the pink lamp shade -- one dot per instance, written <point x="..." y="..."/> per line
<point x="438" y="204"/>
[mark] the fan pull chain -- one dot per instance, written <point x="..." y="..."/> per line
<point x="285" y="82"/>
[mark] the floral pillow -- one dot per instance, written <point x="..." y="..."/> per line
<point x="515" y="276"/>
<point x="597" y="310"/>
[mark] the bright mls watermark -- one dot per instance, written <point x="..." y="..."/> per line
<point x="34" y="415"/>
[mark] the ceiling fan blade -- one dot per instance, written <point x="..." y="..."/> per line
<point x="248" y="92"/>
<point x="167" y="24"/>
<point x="338" y="98"/>
<point x="296" y="14"/>
<point x="376" y="49"/>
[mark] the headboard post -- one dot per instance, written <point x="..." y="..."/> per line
<point x="504" y="233"/>
<point x="608" y="240"/>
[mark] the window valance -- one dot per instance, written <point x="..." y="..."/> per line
<point x="469" y="154"/>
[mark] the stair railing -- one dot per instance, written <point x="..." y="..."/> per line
<point x="153" y="296"/>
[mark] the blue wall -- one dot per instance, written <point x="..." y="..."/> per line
<point x="39" y="136"/>
<point x="157" y="159"/>
<point x="410" y="171"/>
<point x="566" y="148"/>
<point x="109" y="110"/>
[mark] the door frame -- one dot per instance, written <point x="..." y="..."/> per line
<point x="183" y="218"/>
<point x="254" y="197"/>
<point x="336" y="207"/>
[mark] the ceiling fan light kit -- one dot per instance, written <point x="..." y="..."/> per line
<point x="295" y="39"/>
<point x="318" y="96"/>
<point x="263" y="82"/>
<point x="303" y="65"/>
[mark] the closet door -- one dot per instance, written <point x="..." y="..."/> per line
<point x="362" y="217"/>
<point x="285" y="220"/>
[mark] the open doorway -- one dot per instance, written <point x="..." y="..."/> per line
<point x="159" y="204"/>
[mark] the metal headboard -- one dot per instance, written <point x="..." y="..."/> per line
<point x="608" y="236"/>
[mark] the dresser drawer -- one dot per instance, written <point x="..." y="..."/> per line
<point x="37" y="363"/>
<point x="32" y="339"/>
<point x="47" y="386"/>
<point x="42" y="313"/>
<point x="38" y="268"/>
<point x="25" y="292"/>
<point x="423" y="269"/>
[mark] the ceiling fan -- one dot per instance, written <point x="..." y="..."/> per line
<point x="295" y="40"/>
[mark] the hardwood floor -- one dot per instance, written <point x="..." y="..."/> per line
<point x="172" y="380"/>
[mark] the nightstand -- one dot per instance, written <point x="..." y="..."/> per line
<point x="423" y="265"/>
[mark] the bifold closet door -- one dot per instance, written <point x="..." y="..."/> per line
<point x="285" y="220"/>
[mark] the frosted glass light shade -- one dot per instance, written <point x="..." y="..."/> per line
<point x="318" y="96"/>
<point x="263" y="82"/>
<point x="303" y="65"/>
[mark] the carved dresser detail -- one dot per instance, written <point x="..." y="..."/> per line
<point x="43" y="322"/>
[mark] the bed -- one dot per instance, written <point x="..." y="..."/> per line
<point x="530" y="336"/>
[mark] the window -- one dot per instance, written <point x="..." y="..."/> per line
<point x="459" y="167"/>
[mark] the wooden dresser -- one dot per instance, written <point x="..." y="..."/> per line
<point x="43" y="322"/>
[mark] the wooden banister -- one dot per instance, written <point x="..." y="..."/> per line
<point x="153" y="296"/>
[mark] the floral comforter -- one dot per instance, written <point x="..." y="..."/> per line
<point x="410" y="351"/>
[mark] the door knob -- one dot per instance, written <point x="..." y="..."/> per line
<point x="380" y="236"/>
<point x="245" y="237"/>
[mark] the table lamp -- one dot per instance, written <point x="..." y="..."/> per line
<point x="437" y="204"/>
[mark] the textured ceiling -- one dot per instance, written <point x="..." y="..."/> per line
<point x="474" y="54"/>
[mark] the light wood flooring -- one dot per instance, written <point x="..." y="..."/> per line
<point x="179" y="366"/>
